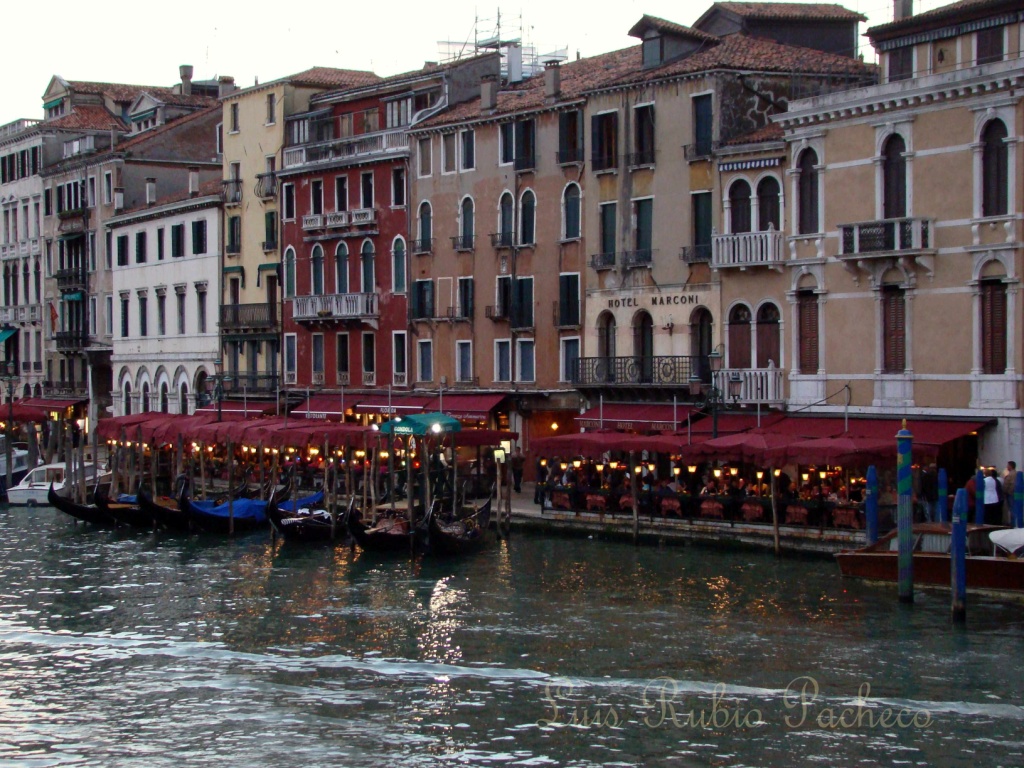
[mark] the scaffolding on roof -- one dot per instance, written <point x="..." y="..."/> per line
<point x="519" y="57"/>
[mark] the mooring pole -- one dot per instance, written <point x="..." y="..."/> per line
<point x="979" y="497"/>
<point x="905" y="514"/>
<point x="942" y="502"/>
<point x="958" y="558"/>
<point x="1018" y="501"/>
<point x="871" y="505"/>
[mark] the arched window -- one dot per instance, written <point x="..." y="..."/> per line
<point x="739" y="206"/>
<point x="606" y="328"/>
<point x="398" y="265"/>
<point x="366" y="267"/>
<point x="993" y="326"/>
<point x="466" y="223"/>
<point x="144" y="404"/>
<point x="571" y="211"/>
<point x="643" y="345"/>
<point x="289" y="274"/>
<point x="769" y="215"/>
<point x="995" y="169"/>
<point x="165" y="404"/>
<point x="769" y="352"/>
<point x="894" y="174"/>
<point x="807" y="318"/>
<point x="739" y="337"/>
<point x="700" y="342"/>
<point x="341" y="268"/>
<point x="183" y="398"/>
<point x="126" y="398"/>
<point x="316" y="265"/>
<point x="528" y="218"/>
<point x="506" y="220"/>
<point x="808" y="190"/>
<point x="426" y="229"/>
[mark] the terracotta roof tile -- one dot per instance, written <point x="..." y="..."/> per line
<point x="115" y="91"/>
<point x="792" y="11"/>
<point x="145" y="136"/>
<point x="87" y="117"/>
<point x="206" y="189"/>
<point x="770" y="132"/>
<point x="329" y="77"/>
<point x="172" y="98"/>
<point x="661" y="25"/>
<point x="940" y="15"/>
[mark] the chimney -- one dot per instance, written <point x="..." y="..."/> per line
<point x="903" y="9"/>
<point x="225" y="85"/>
<point x="515" y="63"/>
<point x="114" y="135"/>
<point x="118" y="198"/>
<point x="488" y="93"/>
<point x="150" y="191"/>
<point x="193" y="181"/>
<point x="552" y="80"/>
<point x="185" y="70"/>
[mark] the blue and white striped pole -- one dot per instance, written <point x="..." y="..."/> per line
<point x="905" y="514"/>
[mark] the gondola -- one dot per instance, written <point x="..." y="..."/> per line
<point x="238" y="516"/>
<point x="165" y="511"/>
<point x="125" y="511"/>
<point x="87" y="513"/>
<point x="310" y="523"/>
<point x="459" y="535"/>
<point x="386" y="533"/>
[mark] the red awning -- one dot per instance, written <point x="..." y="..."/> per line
<point x="631" y="417"/>
<point x="465" y="406"/>
<point x="110" y="428"/>
<point x="239" y="409"/>
<point x="37" y="408"/>
<point x="925" y="431"/>
<point x="728" y="424"/>
<point x="592" y="444"/>
<point x="472" y="438"/>
<point x="381" y="403"/>
<point x="328" y="407"/>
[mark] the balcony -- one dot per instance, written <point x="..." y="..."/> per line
<point x="362" y="216"/>
<point x="237" y="383"/>
<point x="313" y="221"/>
<point x="423" y="246"/>
<point x="521" y="319"/>
<point x="601" y="261"/>
<point x="700" y="150"/>
<point x="400" y="379"/>
<point x="369" y="378"/>
<point x="603" y="160"/>
<point x="638" y="259"/>
<point x="70" y="341"/>
<point x="72" y="279"/>
<point x="501" y="240"/>
<point x="569" y="156"/>
<point x="318" y="378"/>
<point x="266" y="185"/>
<point x="34" y="246"/>
<point x="336" y="219"/>
<point x="654" y="371"/>
<point x="367" y="145"/>
<point x="886" y="237"/>
<point x="644" y="157"/>
<point x="242" y="316"/>
<point x="757" y="385"/>
<point x="29" y="313"/>
<point x="233" y="248"/>
<point x="73" y="213"/>
<point x="565" y="315"/>
<point x="462" y="242"/>
<point x="269" y="245"/>
<point x="747" y="249"/>
<point x="524" y="164"/>
<point x="336" y="306"/>
<point x="343" y="378"/>
<point x="231" y="193"/>
<point x="695" y="254"/>
<point x="65" y="390"/>
<point x="496" y="313"/>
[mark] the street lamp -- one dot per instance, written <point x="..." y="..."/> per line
<point x="218" y="386"/>
<point x="714" y="398"/>
<point x="10" y="378"/>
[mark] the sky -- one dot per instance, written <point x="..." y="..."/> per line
<point x="145" y="43"/>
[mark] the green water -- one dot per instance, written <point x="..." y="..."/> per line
<point x="124" y="649"/>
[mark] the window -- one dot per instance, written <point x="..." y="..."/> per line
<point x="426" y="230"/>
<point x="570" y="137"/>
<point x="993" y="327"/>
<point x="423" y="301"/>
<point x="143" y="315"/>
<point x="807" y="187"/>
<point x="124" y="316"/>
<point x="398" y="187"/>
<point x="506" y="221"/>
<point x="341" y="193"/>
<point x="109" y="307"/>
<point x="604" y="133"/>
<point x="342" y="358"/>
<point x="526" y="145"/>
<point x="398" y="362"/>
<point x="768" y="204"/>
<point x="425" y="359"/>
<point x="901" y="63"/>
<point x="271" y="108"/>
<point x="177" y="240"/>
<point x="108" y="187"/>
<point x="91" y="194"/>
<point x="466" y="225"/>
<point x="571" y="212"/>
<point x="180" y="294"/>
<point x="503" y="360"/>
<point x="894" y="175"/>
<point x="464" y="361"/>
<point x="644" y="135"/>
<point x="234" y="117"/>
<point x="290" y="357"/>
<point x="270" y="230"/>
<point x="894" y="344"/>
<point x="160" y="244"/>
<point x="369" y="354"/>
<point x="289" y="274"/>
<point x="366" y="190"/>
<point x="807" y="318"/>
<point x="423" y="152"/>
<point x="317" y="349"/>
<point x="609" y="213"/>
<point x="643" y="210"/>
<point x="288" y="201"/>
<point x="467" y="156"/>
<point x="398" y="265"/>
<point x="739" y="207"/>
<point x="161" y="314"/>
<point x="398" y="113"/>
<point x="199" y="236"/>
<point x="768" y="337"/>
<point x="316" y="197"/>
<point x="201" y="306"/>
<point x="525" y="358"/>
<point x="464" y="305"/>
<point x="316" y="264"/>
<point x="522" y="303"/>
<point x="367" y="268"/>
<point x="569" y="300"/>
<point x="528" y="218"/>
<point x="569" y="357"/>
<point x="122" y="250"/>
<point x="234" y="244"/>
<point x="739" y="337"/>
<point x="341" y="268"/>
<point x="990" y="45"/>
<point x="503" y="296"/>
<point x="994" y="169"/>
<point x="703" y="126"/>
<point x="448" y="153"/>
<point x="92" y="327"/>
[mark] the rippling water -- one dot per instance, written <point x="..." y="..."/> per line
<point x="123" y="649"/>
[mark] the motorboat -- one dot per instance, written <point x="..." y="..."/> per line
<point x="34" y="487"/>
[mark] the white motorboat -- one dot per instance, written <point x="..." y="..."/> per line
<point x="33" y="489"/>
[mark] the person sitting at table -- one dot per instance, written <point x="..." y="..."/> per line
<point x="710" y="488"/>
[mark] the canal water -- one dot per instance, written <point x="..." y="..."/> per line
<point x="124" y="649"/>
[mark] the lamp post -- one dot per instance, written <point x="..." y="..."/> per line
<point x="10" y="378"/>
<point x="714" y="398"/>
<point x="218" y="386"/>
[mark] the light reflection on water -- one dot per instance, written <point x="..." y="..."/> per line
<point x="120" y="649"/>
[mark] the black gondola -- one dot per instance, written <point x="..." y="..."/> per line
<point x="165" y="511"/>
<point x="312" y="526"/>
<point x="128" y="513"/>
<point x="87" y="513"/>
<point x="459" y="535"/>
<point x="243" y="516"/>
<point x="387" y="533"/>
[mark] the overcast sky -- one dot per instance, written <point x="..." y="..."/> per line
<point x="143" y="43"/>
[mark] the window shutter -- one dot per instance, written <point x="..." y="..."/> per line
<point x="739" y="344"/>
<point x="768" y="344"/>
<point x="563" y="134"/>
<point x="893" y="331"/>
<point x="993" y="328"/>
<point x="808" y="310"/>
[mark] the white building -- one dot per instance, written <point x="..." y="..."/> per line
<point x="167" y="263"/>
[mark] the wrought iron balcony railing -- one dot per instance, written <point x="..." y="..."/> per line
<point x="422" y="246"/>
<point x="503" y="239"/>
<point x="565" y="314"/>
<point x="266" y="185"/>
<point x="700" y="150"/>
<point x="695" y="254"/>
<point x="250" y="383"/>
<point x="601" y="261"/>
<point x="72" y="279"/>
<point x="639" y="158"/>
<point x="603" y="160"/>
<point x="569" y="156"/>
<point x="462" y="242"/>
<point x="886" y="236"/>
<point x="653" y="371"/>
<point x="232" y="192"/>
<point x="68" y="341"/>
<point x="525" y="163"/>
<point x="638" y="259"/>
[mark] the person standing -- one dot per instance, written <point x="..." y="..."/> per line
<point x="993" y="498"/>
<point x="518" y="462"/>
<point x="929" y="491"/>
<point x="1009" y="485"/>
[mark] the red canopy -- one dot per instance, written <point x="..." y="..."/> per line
<point x="577" y="443"/>
<point x="753" y="447"/>
<point x="465" y="406"/>
<point x="110" y="428"/>
<point x="169" y="431"/>
<point x="36" y="408"/>
<point x="845" y="449"/>
<point x="302" y="432"/>
<point x="472" y="438"/>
